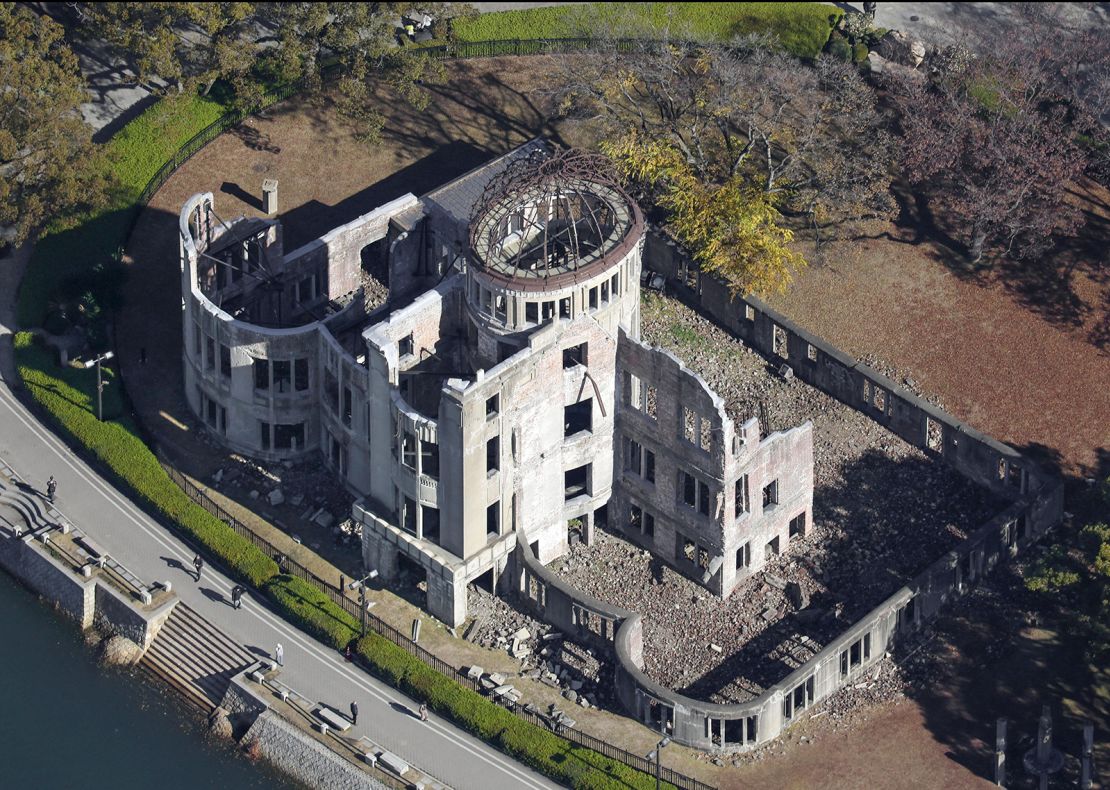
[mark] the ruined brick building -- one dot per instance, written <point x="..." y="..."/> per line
<point x="500" y="389"/>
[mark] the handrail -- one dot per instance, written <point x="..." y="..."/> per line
<point x="384" y="629"/>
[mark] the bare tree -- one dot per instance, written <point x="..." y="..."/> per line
<point x="811" y="138"/>
<point x="995" y="141"/>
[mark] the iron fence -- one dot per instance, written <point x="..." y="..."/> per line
<point x="374" y="623"/>
<point x="403" y="641"/>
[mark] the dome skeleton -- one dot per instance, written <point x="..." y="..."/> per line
<point x="549" y="213"/>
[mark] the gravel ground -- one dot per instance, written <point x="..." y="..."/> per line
<point x="882" y="512"/>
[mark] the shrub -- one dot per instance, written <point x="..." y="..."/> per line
<point x="860" y="53"/>
<point x="839" y="48"/>
<point x="312" y="610"/>
<point x="67" y="395"/>
<point x="548" y="753"/>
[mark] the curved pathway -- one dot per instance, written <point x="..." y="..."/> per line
<point x="436" y="747"/>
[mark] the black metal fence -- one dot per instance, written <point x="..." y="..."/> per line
<point x="471" y="49"/>
<point x="402" y="640"/>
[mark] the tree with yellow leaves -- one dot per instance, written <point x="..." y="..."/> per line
<point x="731" y="228"/>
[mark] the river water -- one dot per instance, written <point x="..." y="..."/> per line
<point x="67" y="723"/>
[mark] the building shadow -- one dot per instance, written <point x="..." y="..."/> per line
<point x="313" y="219"/>
<point x="236" y="191"/>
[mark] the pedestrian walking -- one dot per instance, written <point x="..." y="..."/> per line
<point x="279" y="655"/>
<point x="354" y="713"/>
<point x="237" y="596"/>
<point x="51" y="487"/>
<point x="423" y="712"/>
<point x="198" y="563"/>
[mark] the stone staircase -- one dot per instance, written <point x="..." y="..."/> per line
<point x="22" y="509"/>
<point x="195" y="657"/>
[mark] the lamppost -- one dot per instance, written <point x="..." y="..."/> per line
<point x="657" y="754"/>
<point x="363" y="606"/>
<point x="99" y="382"/>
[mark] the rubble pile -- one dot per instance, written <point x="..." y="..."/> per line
<point x="883" y="511"/>
<point x="300" y="497"/>
<point x="375" y="292"/>
<point x="546" y="656"/>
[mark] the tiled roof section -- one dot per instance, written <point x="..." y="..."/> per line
<point x="459" y="196"/>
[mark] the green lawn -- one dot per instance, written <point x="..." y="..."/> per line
<point x="803" y="28"/>
<point x="72" y="245"/>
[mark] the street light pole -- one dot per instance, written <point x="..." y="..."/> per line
<point x="657" y="755"/>
<point x="360" y="585"/>
<point x="99" y="382"/>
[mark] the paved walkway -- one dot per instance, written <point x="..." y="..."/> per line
<point x="311" y="668"/>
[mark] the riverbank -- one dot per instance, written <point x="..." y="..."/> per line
<point x="106" y="716"/>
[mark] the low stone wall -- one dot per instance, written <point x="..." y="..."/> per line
<point x="126" y="618"/>
<point x="27" y="561"/>
<point x="298" y="754"/>
<point x="1037" y="506"/>
<point x="86" y="600"/>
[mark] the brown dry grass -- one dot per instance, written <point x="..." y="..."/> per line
<point x="1022" y="373"/>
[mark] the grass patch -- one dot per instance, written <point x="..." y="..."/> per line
<point x="68" y="395"/>
<point x="72" y="245"/>
<point x="684" y="334"/>
<point x="536" y="747"/>
<point x="803" y="28"/>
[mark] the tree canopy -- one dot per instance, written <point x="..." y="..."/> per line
<point x="45" y="147"/>
<point x="732" y="229"/>
<point x="995" y="139"/>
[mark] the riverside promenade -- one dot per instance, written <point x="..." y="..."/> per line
<point x="435" y="747"/>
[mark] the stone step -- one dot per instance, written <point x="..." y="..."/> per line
<point x="194" y="654"/>
<point x="169" y="673"/>
<point x="215" y="638"/>
<point x="195" y="657"/>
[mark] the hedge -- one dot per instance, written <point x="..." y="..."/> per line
<point x="312" y="610"/>
<point x="68" y="395"/>
<point x="535" y="746"/>
<point x="802" y="28"/>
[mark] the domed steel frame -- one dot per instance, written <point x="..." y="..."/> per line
<point x="551" y="215"/>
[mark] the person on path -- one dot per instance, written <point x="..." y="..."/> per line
<point x="279" y="655"/>
<point x="198" y="563"/>
<point x="354" y="713"/>
<point x="237" y="596"/>
<point x="423" y="712"/>
<point x="51" y="487"/>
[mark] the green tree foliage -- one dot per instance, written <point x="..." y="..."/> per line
<point x="45" y="147"/>
<point x="748" y="118"/>
<point x="147" y="37"/>
<point x="1078" y="576"/>
<point x="731" y="228"/>
<point x="360" y="38"/>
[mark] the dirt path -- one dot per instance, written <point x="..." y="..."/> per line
<point x="1008" y="371"/>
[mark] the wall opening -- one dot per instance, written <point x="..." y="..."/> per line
<point x="576" y="482"/>
<point x="934" y="434"/>
<point x="484" y="581"/>
<point x="578" y="417"/>
<point x="429" y="523"/>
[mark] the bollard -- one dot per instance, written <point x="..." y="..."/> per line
<point x="270" y="196"/>
<point x="1000" y="753"/>
<point x="1086" y="780"/>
